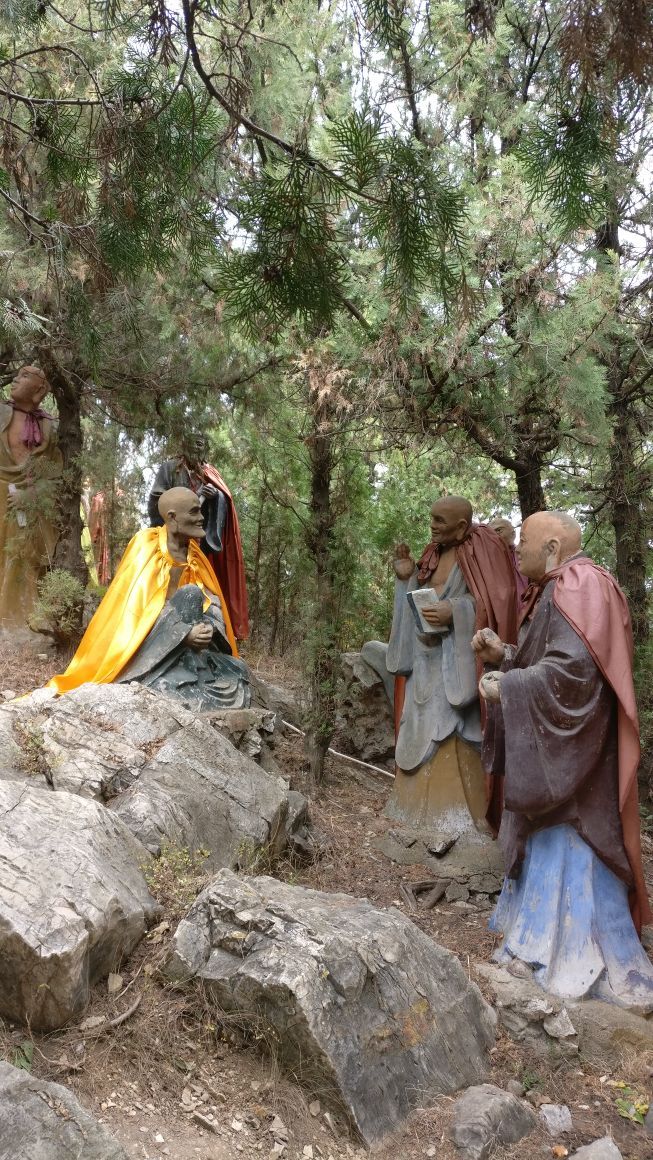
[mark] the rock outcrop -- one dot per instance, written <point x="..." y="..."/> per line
<point x="357" y="1002"/>
<point x="73" y="901"/>
<point x="365" y="726"/>
<point x="169" y="774"/>
<point x="486" y="1118"/>
<point x="44" y="1121"/>
<point x="131" y="772"/>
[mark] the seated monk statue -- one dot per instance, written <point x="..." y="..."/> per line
<point x="562" y="729"/>
<point x="30" y="469"/>
<point x="439" y="779"/>
<point x="163" y="621"/>
<point x="504" y="528"/>
<point x="221" y="542"/>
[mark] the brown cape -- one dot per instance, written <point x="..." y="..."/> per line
<point x="593" y="604"/>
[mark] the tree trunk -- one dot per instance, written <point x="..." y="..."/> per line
<point x="627" y="483"/>
<point x="528" y="477"/>
<point x="256" y="575"/>
<point x="68" y="552"/>
<point x="323" y="649"/>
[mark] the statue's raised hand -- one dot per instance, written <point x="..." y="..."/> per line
<point x="488" y="646"/>
<point x="200" y="636"/>
<point x="404" y="565"/>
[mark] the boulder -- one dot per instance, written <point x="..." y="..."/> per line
<point x="556" y="1119"/>
<point x="44" y="1121"/>
<point x="530" y="1015"/>
<point x="169" y="774"/>
<point x="608" y="1034"/>
<point x="357" y="1002"/>
<point x="73" y="901"/>
<point x="603" y="1149"/>
<point x="200" y="793"/>
<point x="486" y="1117"/>
<point x="12" y="758"/>
<point x="365" y="726"/>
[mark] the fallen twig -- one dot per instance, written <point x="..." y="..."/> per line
<point x="345" y="756"/>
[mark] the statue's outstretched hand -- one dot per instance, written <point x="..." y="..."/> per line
<point x="489" y="686"/>
<point x="404" y="565"/>
<point x="488" y="646"/>
<point x="200" y="636"/>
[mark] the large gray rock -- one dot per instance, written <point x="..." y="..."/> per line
<point x="530" y="1015"/>
<point x="365" y="726"/>
<point x="608" y="1035"/>
<point x="44" y="1121"/>
<point x="486" y="1117"/>
<point x="166" y="772"/>
<point x="357" y="1002"/>
<point x="603" y="1149"/>
<point x="73" y="901"/>
<point x="11" y="755"/>
<point x="200" y="793"/>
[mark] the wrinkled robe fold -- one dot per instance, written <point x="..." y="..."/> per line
<point x="131" y="607"/>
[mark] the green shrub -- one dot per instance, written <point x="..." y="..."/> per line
<point x="58" y="609"/>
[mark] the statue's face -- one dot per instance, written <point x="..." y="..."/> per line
<point x="196" y="449"/>
<point x="534" y="549"/>
<point x="447" y="527"/>
<point x="188" y="518"/>
<point x="504" y="529"/>
<point x="29" y="387"/>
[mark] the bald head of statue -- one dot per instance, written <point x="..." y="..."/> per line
<point x="503" y="528"/>
<point x="451" y="519"/>
<point x="547" y="540"/>
<point x="181" y="513"/>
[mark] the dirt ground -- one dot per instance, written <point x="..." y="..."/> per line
<point x="174" y="1080"/>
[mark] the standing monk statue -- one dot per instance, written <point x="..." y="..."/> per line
<point x="221" y="543"/>
<point x="30" y="468"/>
<point x="440" y="781"/>
<point x="563" y="729"/>
<point x="163" y="621"/>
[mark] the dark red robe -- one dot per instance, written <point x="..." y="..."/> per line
<point x="566" y="732"/>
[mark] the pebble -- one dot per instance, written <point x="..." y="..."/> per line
<point x="314" y="1108"/>
<point x="556" y="1119"/>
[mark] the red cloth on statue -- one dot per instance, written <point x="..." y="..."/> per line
<point x="229" y="565"/>
<point x="593" y="604"/>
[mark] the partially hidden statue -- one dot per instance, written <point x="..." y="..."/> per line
<point x="463" y="581"/>
<point x="30" y="468"/>
<point x="504" y="528"/>
<point x="163" y="621"/>
<point x="221" y="541"/>
<point x="562" y="729"/>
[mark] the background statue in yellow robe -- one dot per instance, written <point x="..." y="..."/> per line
<point x="163" y="621"/>
<point x="30" y="469"/>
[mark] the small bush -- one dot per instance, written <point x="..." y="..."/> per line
<point x="58" y="609"/>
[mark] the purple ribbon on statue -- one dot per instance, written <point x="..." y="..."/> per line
<point x="32" y="436"/>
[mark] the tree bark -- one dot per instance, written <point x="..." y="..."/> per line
<point x="528" y="477"/>
<point x="68" y="552"/>
<point x="627" y="483"/>
<point x="323" y="647"/>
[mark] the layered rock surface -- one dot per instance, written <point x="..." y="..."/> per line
<point x="357" y="1002"/>
<point x="44" y="1121"/>
<point x="73" y="901"/>
<point x="132" y="771"/>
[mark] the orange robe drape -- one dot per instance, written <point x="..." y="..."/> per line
<point x="131" y="606"/>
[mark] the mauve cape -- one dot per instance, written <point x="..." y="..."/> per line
<point x="571" y="730"/>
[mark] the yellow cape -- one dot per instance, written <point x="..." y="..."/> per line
<point x="131" y="606"/>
